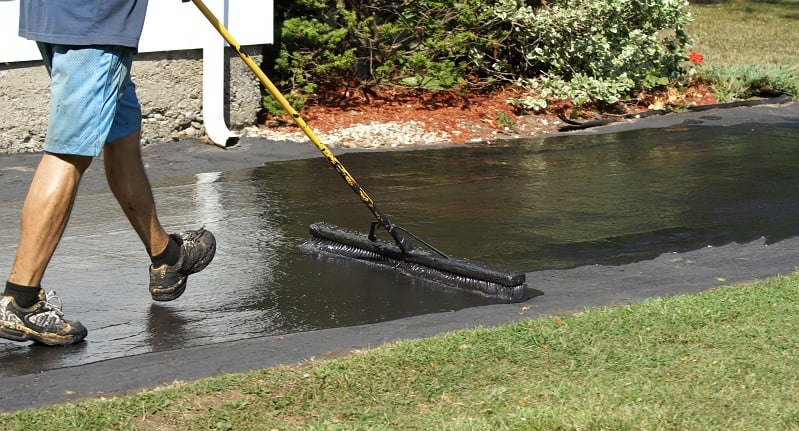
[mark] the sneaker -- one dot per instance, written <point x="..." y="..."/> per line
<point x="197" y="248"/>
<point x="42" y="322"/>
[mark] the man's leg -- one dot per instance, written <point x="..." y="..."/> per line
<point x="174" y="257"/>
<point x="45" y="214"/>
<point x="128" y="181"/>
<point x="26" y="312"/>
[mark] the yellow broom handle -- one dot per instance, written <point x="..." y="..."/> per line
<point x="301" y="123"/>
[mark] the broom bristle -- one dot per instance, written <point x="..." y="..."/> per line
<point x="454" y="272"/>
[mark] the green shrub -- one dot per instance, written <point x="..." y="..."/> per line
<point x="598" y="50"/>
<point x="750" y="80"/>
<point x="584" y="50"/>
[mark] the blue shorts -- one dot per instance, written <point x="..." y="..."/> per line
<point x="92" y="98"/>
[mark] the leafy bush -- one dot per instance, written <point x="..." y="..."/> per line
<point x="598" y="50"/>
<point x="423" y="43"/>
<point x="584" y="50"/>
<point x="750" y="80"/>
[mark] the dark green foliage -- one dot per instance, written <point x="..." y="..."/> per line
<point x="611" y="46"/>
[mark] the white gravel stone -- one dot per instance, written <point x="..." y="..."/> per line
<point x="365" y="135"/>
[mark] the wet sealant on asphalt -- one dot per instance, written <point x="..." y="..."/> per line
<point x="640" y="220"/>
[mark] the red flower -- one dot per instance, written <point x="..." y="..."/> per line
<point x="695" y="57"/>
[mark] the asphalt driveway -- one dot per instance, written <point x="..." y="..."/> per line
<point x="564" y="291"/>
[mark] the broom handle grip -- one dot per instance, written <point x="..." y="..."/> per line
<point x="382" y="218"/>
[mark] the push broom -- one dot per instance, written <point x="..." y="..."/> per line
<point x="400" y="254"/>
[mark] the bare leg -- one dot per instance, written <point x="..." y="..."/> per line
<point x="45" y="214"/>
<point x="128" y="181"/>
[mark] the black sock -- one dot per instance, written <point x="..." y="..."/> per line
<point x="24" y="296"/>
<point x="169" y="256"/>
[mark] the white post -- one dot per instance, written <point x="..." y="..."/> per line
<point x="214" y="84"/>
<point x="214" y="96"/>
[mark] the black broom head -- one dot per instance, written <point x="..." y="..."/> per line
<point x="456" y="272"/>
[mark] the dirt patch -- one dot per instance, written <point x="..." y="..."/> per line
<point x="397" y="117"/>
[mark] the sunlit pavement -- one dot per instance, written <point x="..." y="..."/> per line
<point x="134" y="344"/>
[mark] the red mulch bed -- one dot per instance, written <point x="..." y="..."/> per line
<point x="465" y="115"/>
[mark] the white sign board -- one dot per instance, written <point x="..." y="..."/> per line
<point x="170" y="25"/>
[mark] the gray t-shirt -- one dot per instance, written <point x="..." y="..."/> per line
<point x="83" y="22"/>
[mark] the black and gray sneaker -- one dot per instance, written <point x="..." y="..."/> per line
<point x="197" y="249"/>
<point x="42" y="322"/>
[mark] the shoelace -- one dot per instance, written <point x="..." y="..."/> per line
<point x="192" y="235"/>
<point x="53" y="302"/>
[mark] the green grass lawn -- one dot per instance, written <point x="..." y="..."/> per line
<point x="729" y="33"/>
<point x="725" y="359"/>
<point x="749" y="47"/>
